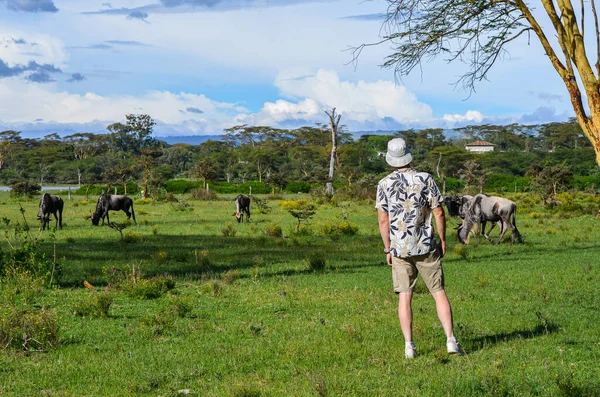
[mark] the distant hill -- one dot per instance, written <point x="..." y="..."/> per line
<point x="189" y="139"/>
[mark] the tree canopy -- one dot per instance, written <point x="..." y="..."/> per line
<point x="478" y="32"/>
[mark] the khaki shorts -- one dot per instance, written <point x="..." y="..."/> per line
<point x="406" y="270"/>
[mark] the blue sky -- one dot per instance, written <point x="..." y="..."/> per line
<point x="199" y="66"/>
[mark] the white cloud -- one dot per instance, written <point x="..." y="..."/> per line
<point x="17" y="48"/>
<point x="471" y="116"/>
<point x="360" y="103"/>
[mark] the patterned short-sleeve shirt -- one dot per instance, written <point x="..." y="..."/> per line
<point x="408" y="197"/>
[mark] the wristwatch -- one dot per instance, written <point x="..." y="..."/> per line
<point x="387" y="251"/>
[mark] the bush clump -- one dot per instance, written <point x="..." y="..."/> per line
<point x="96" y="305"/>
<point x="149" y="288"/>
<point x="228" y="230"/>
<point x="27" y="329"/>
<point x="345" y="228"/>
<point x="316" y="263"/>
<point x="274" y="231"/>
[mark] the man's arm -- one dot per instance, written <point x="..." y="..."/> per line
<point x="440" y="223"/>
<point x="384" y="230"/>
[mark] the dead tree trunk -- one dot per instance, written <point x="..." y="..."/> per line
<point x="334" y="122"/>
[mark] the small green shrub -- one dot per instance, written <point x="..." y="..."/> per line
<point x="95" y="305"/>
<point x="230" y="276"/>
<point x="336" y="229"/>
<point x="214" y="287"/>
<point x="160" y="257"/>
<point x="228" y="230"/>
<point x="27" y="329"/>
<point x="132" y="237"/>
<point x="274" y="231"/>
<point x="181" y="205"/>
<point x="24" y="188"/>
<point x="316" y="263"/>
<point x="181" y="306"/>
<point x="154" y="230"/>
<point x="159" y="323"/>
<point x="149" y="288"/>
<point x="202" y="259"/>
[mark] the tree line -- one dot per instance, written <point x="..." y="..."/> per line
<point x="297" y="159"/>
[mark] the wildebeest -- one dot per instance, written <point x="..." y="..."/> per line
<point x="494" y="209"/>
<point x="242" y="206"/>
<point x="458" y="205"/>
<point x="50" y="204"/>
<point x="112" y="202"/>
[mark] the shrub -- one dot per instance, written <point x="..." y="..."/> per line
<point x="230" y="276"/>
<point x="228" y="230"/>
<point x="203" y="194"/>
<point x="337" y="229"/>
<point x="180" y="306"/>
<point x="149" y="288"/>
<point x="95" y="305"/>
<point x="132" y="237"/>
<point x="298" y="187"/>
<point x="24" y="188"/>
<point x="27" y="329"/>
<point x="160" y="257"/>
<point x="202" y="259"/>
<point x="274" y="231"/>
<point x="24" y="254"/>
<point x="316" y="263"/>
<point x="214" y="287"/>
<point x="262" y="205"/>
<point x="182" y="205"/>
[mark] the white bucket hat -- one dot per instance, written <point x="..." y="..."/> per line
<point x="398" y="155"/>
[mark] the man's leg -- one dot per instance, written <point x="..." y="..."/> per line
<point x="444" y="312"/>
<point x="405" y="315"/>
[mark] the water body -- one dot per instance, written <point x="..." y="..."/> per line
<point x="44" y="188"/>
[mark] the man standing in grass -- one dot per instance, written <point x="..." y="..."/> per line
<point x="405" y="201"/>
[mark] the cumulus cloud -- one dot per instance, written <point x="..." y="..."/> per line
<point x="545" y="114"/>
<point x="360" y="103"/>
<point x="30" y="5"/>
<point x="471" y="116"/>
<point x="39" y="48"/>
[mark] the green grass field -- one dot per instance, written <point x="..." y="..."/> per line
<point x="249" y="317"/>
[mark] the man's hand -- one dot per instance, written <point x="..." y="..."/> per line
<point x="388" y="258"/>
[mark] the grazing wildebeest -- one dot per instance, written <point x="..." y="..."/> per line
<point x="50" y="204"/>
<point x="494" y="209"/>
<point x="242" y="206"/>
<point x="112" y="202"/>
<point x="458" y="205"/>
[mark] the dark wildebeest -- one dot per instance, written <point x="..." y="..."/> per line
<point x="458" y="205"/>
<point x="242" y="206"/>
<point x="50" y="204"/>
<point x="494" y="209"/>
<point x="112" y="202"/>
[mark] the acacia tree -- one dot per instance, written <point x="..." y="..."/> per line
<point x="477" y="32"/>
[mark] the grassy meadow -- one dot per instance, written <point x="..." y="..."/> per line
<point x="190" y="302"/>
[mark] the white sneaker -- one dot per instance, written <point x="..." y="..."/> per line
<point x="410" y="352"/>
<point x="455" y="348"/>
